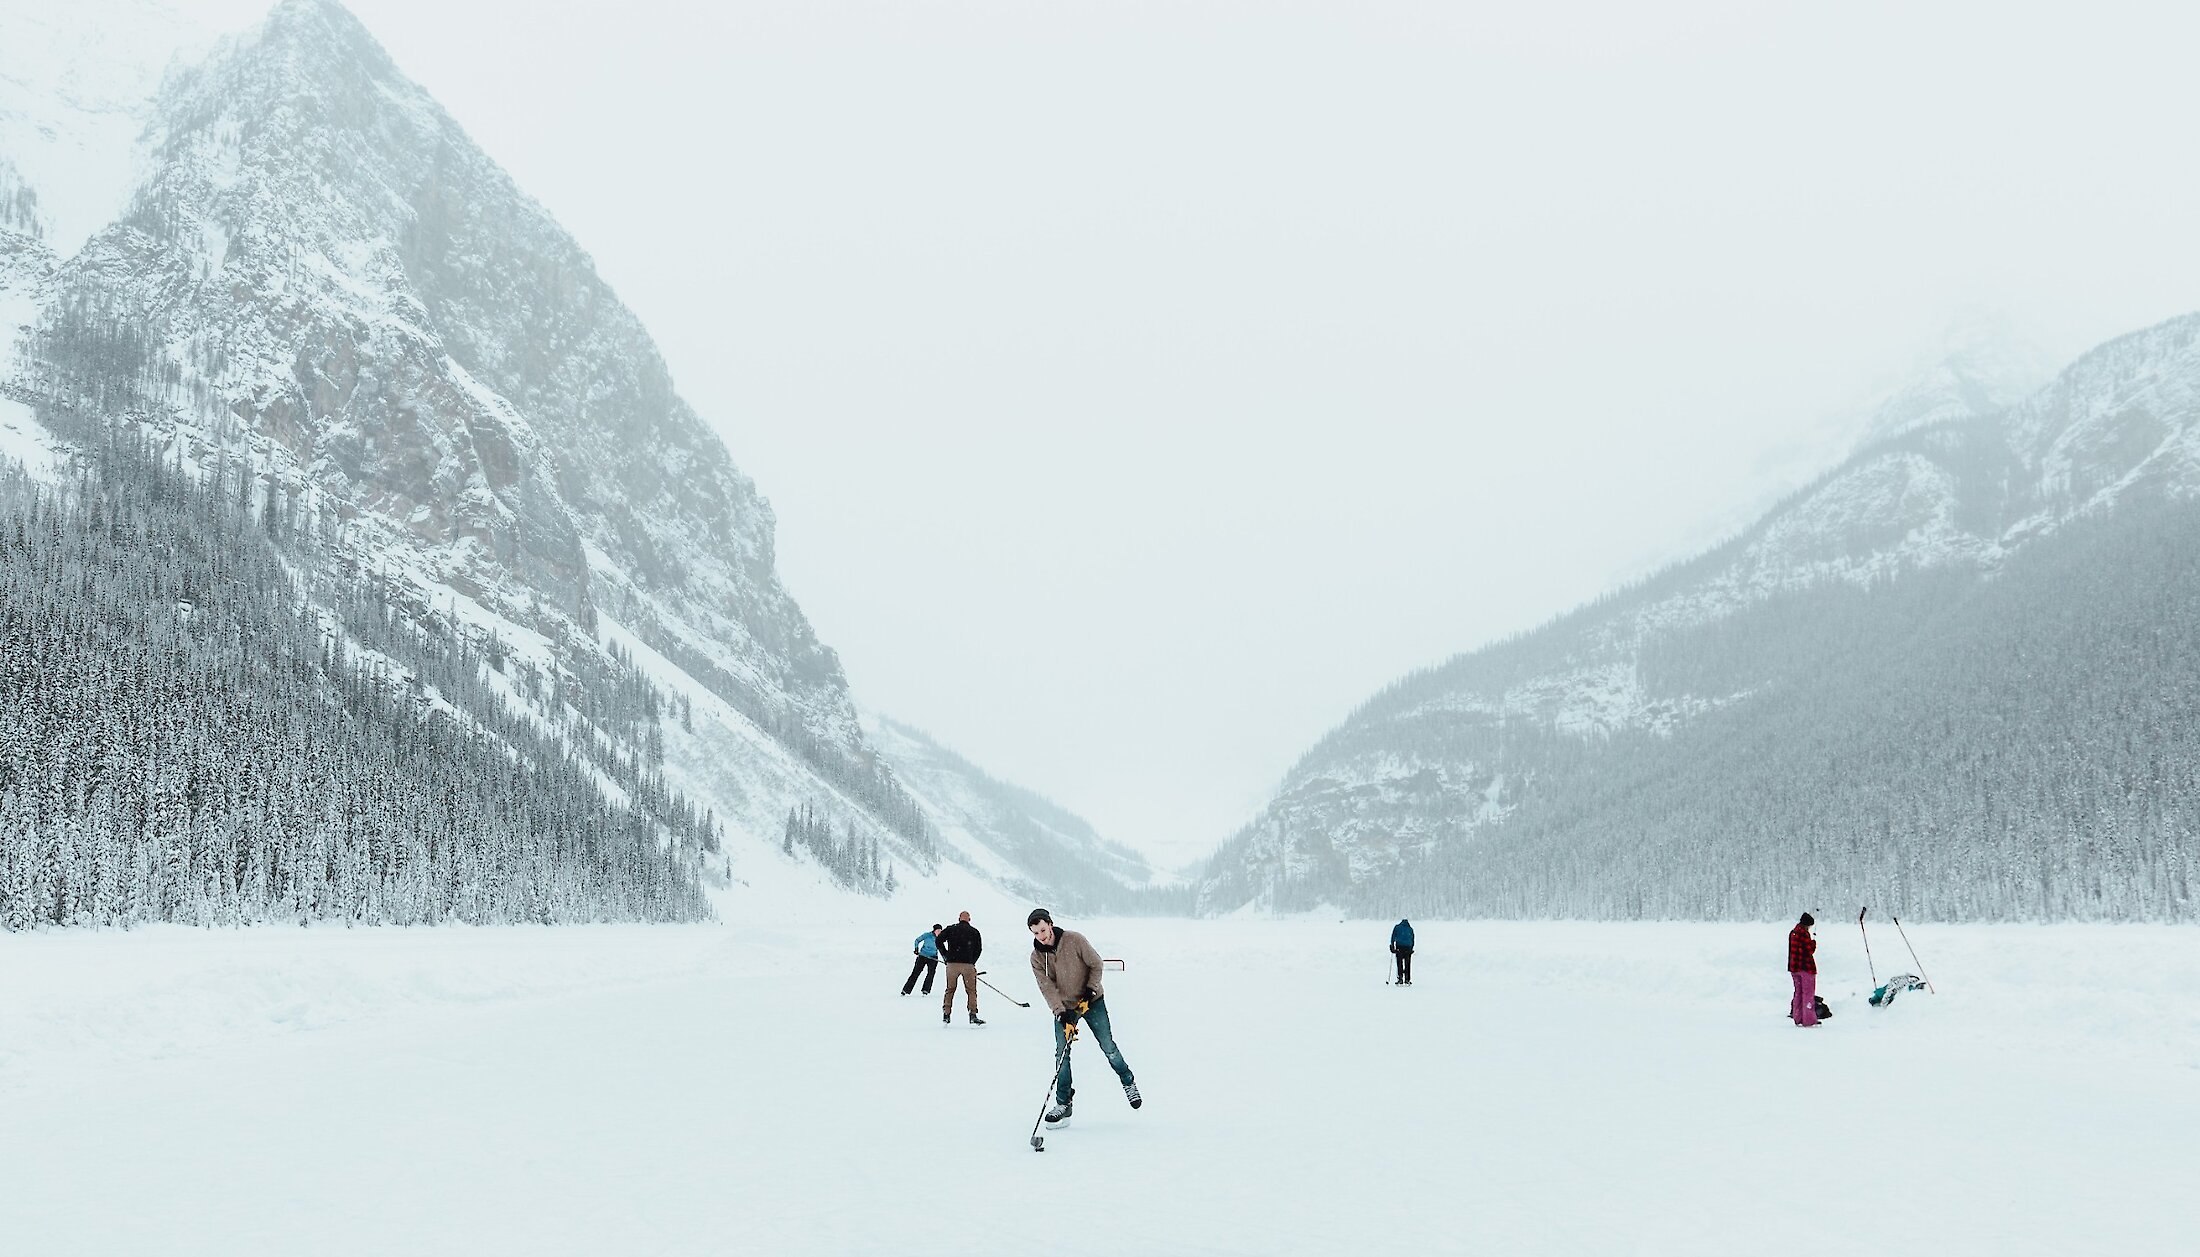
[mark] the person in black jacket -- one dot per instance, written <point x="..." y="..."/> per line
<point x="960" y="947"/>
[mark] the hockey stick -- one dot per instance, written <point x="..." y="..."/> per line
<point x="998" y="991"/>
<point x="1913" y="957"/>
<point x="1867" y="943"/>
<point x="1061" y="1054"/>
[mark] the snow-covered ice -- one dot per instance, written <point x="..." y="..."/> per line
<point x="760" y="1087"/>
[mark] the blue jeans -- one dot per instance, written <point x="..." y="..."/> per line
<point x="1096" y="1022"/>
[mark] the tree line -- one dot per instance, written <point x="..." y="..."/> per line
<point x="185" y="736"/>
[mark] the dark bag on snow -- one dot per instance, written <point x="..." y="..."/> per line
<point x="1819" y="1002"/>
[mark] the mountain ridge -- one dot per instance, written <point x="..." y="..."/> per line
<point x="1442" y="768"/>
<point x="1021" y="840"/>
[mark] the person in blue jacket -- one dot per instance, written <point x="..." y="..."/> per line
<point x="928" y="961"/>
<point x="1401" y="946"/>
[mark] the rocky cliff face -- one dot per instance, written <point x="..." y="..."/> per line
<point x="1619" y="760"/>
<point x="321" y="255"/>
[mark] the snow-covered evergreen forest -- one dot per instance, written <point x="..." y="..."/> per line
<point x="852" y="858"/>
<point x="184" y="738"/>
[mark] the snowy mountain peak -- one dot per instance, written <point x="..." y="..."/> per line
<point x="1982" y="366"/>
<point x="77" y="87"/>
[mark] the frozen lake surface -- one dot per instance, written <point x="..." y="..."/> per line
<point x="1541" y="1088"/>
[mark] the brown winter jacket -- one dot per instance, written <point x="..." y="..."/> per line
<point x="1067" y="970"/>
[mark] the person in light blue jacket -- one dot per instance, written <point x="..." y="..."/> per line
<point x="1401" y="946"/>
<point x="927" y="947"/>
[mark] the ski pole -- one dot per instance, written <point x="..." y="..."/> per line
<point x="1061" y="1054"/>
<point x="1867" y="943"/>
<point x="1913" y="957"/>
<point x="998" y="991"/>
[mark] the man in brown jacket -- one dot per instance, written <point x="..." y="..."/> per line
<point x="1068" y="971"/>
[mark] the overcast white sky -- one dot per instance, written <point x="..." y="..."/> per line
<point x="1141" y="385"/>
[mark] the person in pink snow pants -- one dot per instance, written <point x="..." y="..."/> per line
<point x="1803" y="968"/>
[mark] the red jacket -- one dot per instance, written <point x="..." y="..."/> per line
<point x="1802" y="949"/>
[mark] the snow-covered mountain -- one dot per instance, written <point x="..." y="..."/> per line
<point x="1015" y="838"/>
<point x="1983" y="365"/>
<point x="1955" y="672"/>
<point x="77" y="88"/>
<point x="287" y="270"/>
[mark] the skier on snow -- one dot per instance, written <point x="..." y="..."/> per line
<point x="1068" y="972"/>
<point x="1401" y="946"/>
<point x="1803" y="968"/>
<point x="960" y="947"/>
<point x="927" y="948"/>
